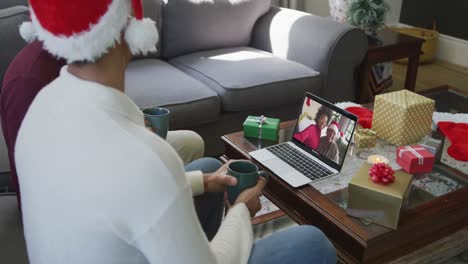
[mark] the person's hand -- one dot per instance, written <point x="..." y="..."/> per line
<point x="148" y="125"/>
<point x="251" y="197"/>
<point x="218" y="180"/>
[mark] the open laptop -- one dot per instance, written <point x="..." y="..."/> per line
<point x="318" y="147"/>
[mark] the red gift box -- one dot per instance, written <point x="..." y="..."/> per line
<point x="415" y="159"/>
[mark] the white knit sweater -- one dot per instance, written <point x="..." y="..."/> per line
<point x="97" y="187"/>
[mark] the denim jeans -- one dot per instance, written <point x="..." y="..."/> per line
<point x="209" y="206"/>
<point x="296" y="245"/>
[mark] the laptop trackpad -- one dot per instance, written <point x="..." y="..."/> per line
<point x="278" y="166"/>
<point x="286" y="172"/>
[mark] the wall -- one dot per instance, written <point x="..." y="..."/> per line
<point x="449" y="16"/>
<point x="450" y="20"/>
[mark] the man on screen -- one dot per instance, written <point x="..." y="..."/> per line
<point x="327" y="146"/>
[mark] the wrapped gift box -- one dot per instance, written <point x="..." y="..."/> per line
<point x="402" y="117"/>
<point x="261" y="127"/>
<point x="365" y="138"/>
<point x="415" y="159"/>
<point x="377" y="203"/>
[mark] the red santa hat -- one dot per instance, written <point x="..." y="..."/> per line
<point x="334" y="126"/>
<point x="84" y="30"/>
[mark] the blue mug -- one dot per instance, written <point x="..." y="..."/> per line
<point x="246" y="174"/>
<point x="158" y="119"/>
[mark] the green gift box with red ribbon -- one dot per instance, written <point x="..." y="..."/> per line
<point x="261" y="127"/>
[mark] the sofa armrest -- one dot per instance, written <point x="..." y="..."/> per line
<point x="331" y="48"/>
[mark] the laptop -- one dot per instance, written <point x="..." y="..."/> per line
<point x="318" y="148"/>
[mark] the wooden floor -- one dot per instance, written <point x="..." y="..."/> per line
<point x="432" y="75"/>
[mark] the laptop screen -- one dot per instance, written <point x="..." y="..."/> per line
<point x="324" y="130"/>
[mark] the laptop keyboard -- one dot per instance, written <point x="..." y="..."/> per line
<point x="298" y="160"/>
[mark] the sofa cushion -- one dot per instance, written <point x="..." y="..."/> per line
<point x="11" y="42"/>
<point x="250" y="79"/>
<point x="12" y="243"/>
<point x="194" y="25"/>
<point x="153" y="82"/>
<point x="11" y="3"/>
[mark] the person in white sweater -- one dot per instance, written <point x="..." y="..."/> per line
<point x="98" y="187"/>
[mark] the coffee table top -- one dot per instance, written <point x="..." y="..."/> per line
<point x="425" y="187"/>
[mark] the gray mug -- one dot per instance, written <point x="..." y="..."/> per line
<point x="158" y="119"/>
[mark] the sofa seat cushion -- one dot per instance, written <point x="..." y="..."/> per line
<point x="250" y="79"/>
<point x="152" y="82"/>
<point x="12" y="243"/>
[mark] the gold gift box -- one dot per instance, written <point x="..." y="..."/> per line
<point x="377" y="203"/>
<point x="402" y="117"/>
<point x="364" y="138"/>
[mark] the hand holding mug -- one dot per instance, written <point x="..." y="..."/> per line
<point x="247" y="175"/>
<point x="251" y="197"/>
<point x="219" y="180"/>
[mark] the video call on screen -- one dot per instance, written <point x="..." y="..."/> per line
<point x="324" y="130"/>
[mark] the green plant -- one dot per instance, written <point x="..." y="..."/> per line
<point x="369" y="15"/>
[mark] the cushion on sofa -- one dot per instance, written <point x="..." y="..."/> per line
<point x="11" y="3"/>
<point x="12" y="243"/>
<point x="11" y="42"/>
<point x="153" y="82"/>
<point x="195" y="25"/>
<point x="250" y="79"/>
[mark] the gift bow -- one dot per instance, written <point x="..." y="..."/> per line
<point x="414" y="151"/>
<point x="260" y="120"/>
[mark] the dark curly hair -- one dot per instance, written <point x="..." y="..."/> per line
<point x="324" y="111"/>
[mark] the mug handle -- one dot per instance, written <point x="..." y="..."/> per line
<point x="264" y="174"/>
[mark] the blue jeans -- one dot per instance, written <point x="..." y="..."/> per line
<point x="297" y="245"/>
<point x="209" y="206"/>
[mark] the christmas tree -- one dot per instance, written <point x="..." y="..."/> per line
<point x="368" y="15"/>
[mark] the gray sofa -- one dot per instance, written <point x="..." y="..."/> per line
<point x="219" y="62"/>
<point x="214" y="69"/>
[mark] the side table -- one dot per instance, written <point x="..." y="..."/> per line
<point x="393" y="46"/>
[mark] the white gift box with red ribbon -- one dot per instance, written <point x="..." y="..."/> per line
<point x="415" y="159"/>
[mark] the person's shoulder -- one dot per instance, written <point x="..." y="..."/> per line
<point x="311" y="127"/>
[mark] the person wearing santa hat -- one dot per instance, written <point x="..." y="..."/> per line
<point x="327" y="146"/>
<point x="97" y="186"/>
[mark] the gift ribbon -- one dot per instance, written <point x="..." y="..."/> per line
<point x="366" y="131"/>
<point x="260" y="121"/>
<point x="414" y="151"/>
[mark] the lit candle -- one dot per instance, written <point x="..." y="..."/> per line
<point x="372" y="159"/>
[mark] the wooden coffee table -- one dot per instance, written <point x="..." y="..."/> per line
<point x="428" y="223"/>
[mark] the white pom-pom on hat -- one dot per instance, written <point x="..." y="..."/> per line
<point x="141" y="36"/>
<point x="27" y="32"/>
